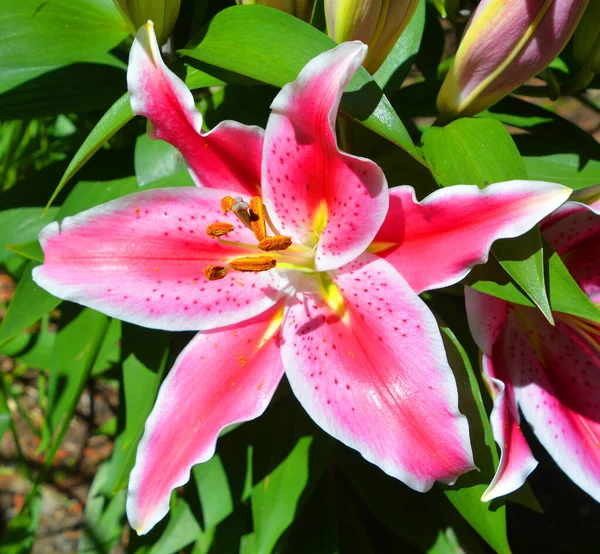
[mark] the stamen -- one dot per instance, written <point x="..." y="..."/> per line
<point x="214" y="273"/>
<point x="227" y="203"/>
<point x="257" y="218"/>
<point x="268" y="244"/>
<point x="270" y="222"/>
<point x="219" y="229"/>
<point x="250" y="263"/>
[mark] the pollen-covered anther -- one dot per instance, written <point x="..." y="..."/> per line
<point x="253" y="263"/>
<point x="227" y="203"/>
<point x="219" y="229"/>
<point x="269" y="244"/>
<point x="214" y="273"/>
<point x="257" y="218"/>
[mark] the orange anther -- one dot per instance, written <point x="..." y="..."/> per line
<point x="214" y="273"/>
<point x="257" y="218"/>
<point x="227" y="203"/>
<point x="219" y="229"/>
<point x="268" y="244"/>
<point x="251" y="263"/>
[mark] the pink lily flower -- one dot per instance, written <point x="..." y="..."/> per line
<point x="311" y="267"/>
<point x="550" y="373"/>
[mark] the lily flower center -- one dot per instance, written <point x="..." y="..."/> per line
<point x="273" y="251"/>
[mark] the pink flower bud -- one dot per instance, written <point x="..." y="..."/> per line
<point x="506" y="43"/>
<point x="377" y="23"/>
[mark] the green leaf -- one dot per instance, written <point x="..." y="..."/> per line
<point x="489" y="520"/>
<point x="523" y="260"/>
<point x="472" y="152"/>
<point x="79" y="88"/>
<point x="5" y="416"/>
<point x="19" y="535"/>
<point x="30" y="250"/>
<point x="276" y="46"/>
<point x="275" y="498"/>
<point x="481" y="152"/>
<point x="145" y="353"/>
<point x="546" y="124"/>
<point x="109" y="353"/>
<point x="182" y="529"/>
<point x="571" y="170"/>
<point x="103" y="517"/>
<point x="157" y="159"/>
<point x="117" y="116"/>
<point x="397" y="65"/>
<point x="213" y="490"/>
<point x="37" y="36"/>
<point x="21" y="225"/>
<point x="74" y="352"/>
<point x="564" y="293"/>
<point x="29" y="303"/>
<point x="415" y="517"/>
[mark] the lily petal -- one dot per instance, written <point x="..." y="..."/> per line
<point x="228" y="157"/>
<point x="435" y="243"/>
<point x="487" y="320"/>
<point x="571" y="224"/>
<point x="559" y="396"/>
<point x="376" y="377"/>
<point x="487" y="315"/>
<point x="516" y="458"/>
<point x="141" y="259"/>
<point x="310" y="185"/>
<point x="222" y="377"/>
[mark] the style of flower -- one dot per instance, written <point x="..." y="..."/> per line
<point x="290" y="256"/>
<point x="552" y="374"/>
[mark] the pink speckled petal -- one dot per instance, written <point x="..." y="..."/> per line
<point x="307" y="180"/>
<point x="574" y="231"/>
<point x="487" y="321"/>
<point x="228" y="157"/>
<point x="378" y="379"/>
<point x="557" y="387"/>
<point x="486" y="316"/>
<point x="571" y="224"/>
<point x="436" y="242"/>
<point x="222" y="377"/>
<point x="516" y="459"/>
<point x="141" y="259"/>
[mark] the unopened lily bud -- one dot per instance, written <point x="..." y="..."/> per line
<point x="163" y="13"/>
<point x="586" y="46"/>
<point x="506" y="43"/>
<point x="302" y="9"/>
<point x="377" y="23"/>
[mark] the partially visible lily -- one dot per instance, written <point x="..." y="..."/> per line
<point x="162" y="12"/>
<point x="302" y="9"/>
<point x="552" y="374"/>
<point x="377" y="23"/>
<point x="506" y="43"/>
<point x="315" y="271"/>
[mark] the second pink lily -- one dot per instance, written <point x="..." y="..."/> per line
<point x="291" y="256"/>
<point x="550" y="373"/>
